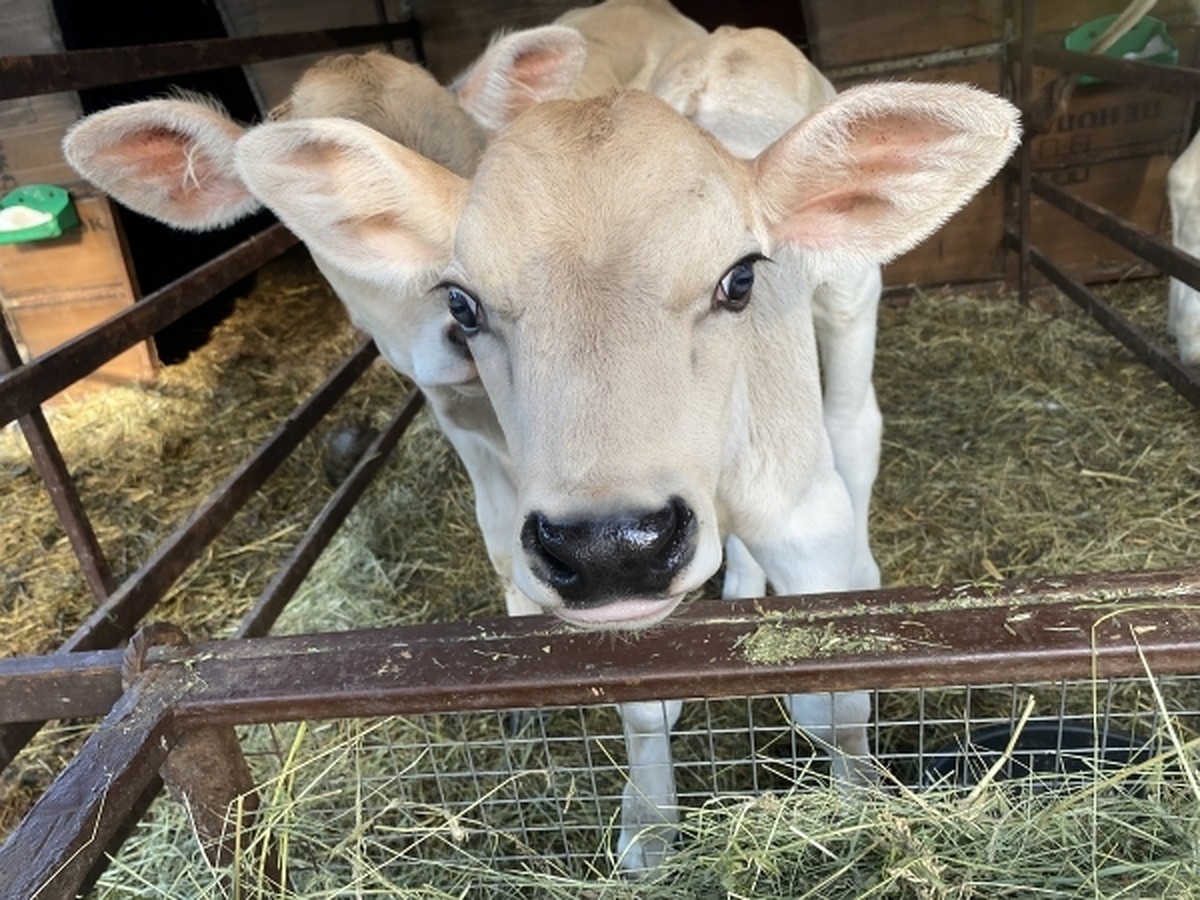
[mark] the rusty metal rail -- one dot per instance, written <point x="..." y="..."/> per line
<point x="26" y="76"/>
<point x="1083" y="627"/>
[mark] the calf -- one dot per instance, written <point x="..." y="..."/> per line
<point x="171" y="159"/>
<point x="625" y="42"/>
<point x="655" y="376"/>
<point x="1183" y="300"/>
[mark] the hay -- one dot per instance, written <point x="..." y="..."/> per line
<point x="1111" y="832"/>
<point x="1020" y="443"/>
<point x="1017" y="443"/>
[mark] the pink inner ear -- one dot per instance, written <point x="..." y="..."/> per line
<point x="167" y="159"/>
<point x="889" y="144"/>
<point x="833" y="205"/>
<point x="825" y="221"/>
<point x="537" y="68"/>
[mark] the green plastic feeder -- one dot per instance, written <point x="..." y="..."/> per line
<point x="1148" y="41"/>
<point x="34" y="213"/>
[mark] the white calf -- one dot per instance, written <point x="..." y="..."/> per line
<point x="172" y="160"/>
<point x="1183" y="300"/>
<point x="655" y="377"/>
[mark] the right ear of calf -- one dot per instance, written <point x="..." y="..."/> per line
<point x="881" y="167"/>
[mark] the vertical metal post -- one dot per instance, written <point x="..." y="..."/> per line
<point x="1025" y="153"/>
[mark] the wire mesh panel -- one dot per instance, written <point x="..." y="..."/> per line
<point x="481" y="804"/>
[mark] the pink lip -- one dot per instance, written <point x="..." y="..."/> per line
<point x="623" y="614"/>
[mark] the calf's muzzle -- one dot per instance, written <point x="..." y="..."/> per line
<point x="594" y="562"/>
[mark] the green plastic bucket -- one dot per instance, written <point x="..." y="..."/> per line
<point x="46" y="208"/>
<point x="1148" y="41"/>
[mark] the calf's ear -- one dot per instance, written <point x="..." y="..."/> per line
<point x="366" y="203"/>
<point x="171" y="160"/>
<point x="880" y="168"/>
<point x="518" y="70"/>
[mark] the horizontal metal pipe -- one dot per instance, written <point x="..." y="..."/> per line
<point x="1177" y="80"/>
<point x="59" y="686"/>
<point x="73" y="70"/>
<point x="1148" y="246"/>
<point x="1050" y="629"/>
<point x="964" y="634"/>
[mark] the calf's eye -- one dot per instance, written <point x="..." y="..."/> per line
<point x="465" y="309"/>
<point x="733" y="290"/>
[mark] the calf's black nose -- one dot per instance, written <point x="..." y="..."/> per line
<point x="591" y="562"/>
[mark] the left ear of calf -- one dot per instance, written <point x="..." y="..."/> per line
<point x="879" y="169"/>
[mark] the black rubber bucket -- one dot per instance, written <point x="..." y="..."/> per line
<point x="1046" y="755"/>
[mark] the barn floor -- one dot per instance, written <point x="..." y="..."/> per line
<point x="1017" y="443"/>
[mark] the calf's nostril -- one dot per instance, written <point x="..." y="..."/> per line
<point x="548" y="543"/>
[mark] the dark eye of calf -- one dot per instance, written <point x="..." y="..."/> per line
<point x="733" y="290"/>
<point x="465" y="309"/>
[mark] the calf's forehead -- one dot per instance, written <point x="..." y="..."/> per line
<point x="620" y="184"/>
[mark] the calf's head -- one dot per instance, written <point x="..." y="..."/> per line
<point x="610" y="270"/>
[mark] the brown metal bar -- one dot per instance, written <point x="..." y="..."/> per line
<point x="52" y="468"/>
<point x="958" y="612"/>
<point x="1177" y="80"/>
<point x="1051" y="629"/>
<point x="27" y="386"/>
<point x="1149" y="247"/>
<point x="58" y="843"/>
<point x="287" y="580"/>
<point x="921" y="62"/>
<point x="27" y="76"/>
<point x="207" y="768"/>
<point x="59" y="686"/>
<point x="1046" y="629"/>
<point x="1185" y="381"/>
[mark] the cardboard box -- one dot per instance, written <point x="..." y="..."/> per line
<point x="54" y="290"/>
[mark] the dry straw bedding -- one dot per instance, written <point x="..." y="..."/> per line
<point x="1017" y="442"/>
